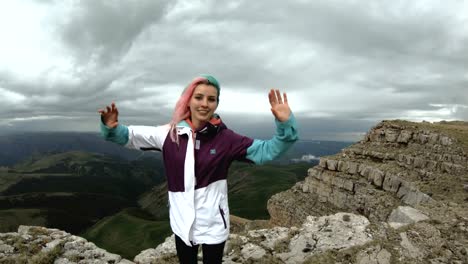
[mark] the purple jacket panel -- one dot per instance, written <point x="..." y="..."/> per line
<point x="216" y="153"/>
<point x="174" y="160"/>
<point x="215" y="149"/>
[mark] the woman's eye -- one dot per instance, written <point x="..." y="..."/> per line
<point x="211" y="100"/>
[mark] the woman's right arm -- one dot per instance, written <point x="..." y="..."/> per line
<point x="136" y="137"/>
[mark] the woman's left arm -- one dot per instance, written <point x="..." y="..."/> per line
<point x="262" y="151"/>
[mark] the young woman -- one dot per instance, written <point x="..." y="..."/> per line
<point x="197" y="150"/>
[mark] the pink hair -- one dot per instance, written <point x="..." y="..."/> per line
<point x="182" y="111"/>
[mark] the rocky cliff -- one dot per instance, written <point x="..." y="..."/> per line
<point x="400" y="170"/>
<point x="398" y="196"/>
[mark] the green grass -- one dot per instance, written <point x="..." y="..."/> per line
<point x="71" y="212"/>
<point x="128" y="232"/>
<point x="69" y="158"/>
<point x="10" y="219"/>
<point x="81" y="172"/>
<point x="8" y="179"/>
<point x="250" y="187"/>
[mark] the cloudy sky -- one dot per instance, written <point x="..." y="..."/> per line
<point x="345" y="65"/>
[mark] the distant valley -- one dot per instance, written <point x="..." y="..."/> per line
<point x="79" y="183"/>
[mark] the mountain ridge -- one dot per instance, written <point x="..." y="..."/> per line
<point x="19" y="147"/>
<point x="73" y="189"/>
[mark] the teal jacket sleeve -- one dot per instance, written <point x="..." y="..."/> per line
<point x="262" y="151"/>
<point x="117" y="135"/>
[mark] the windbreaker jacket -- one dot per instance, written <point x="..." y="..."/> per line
<point x="197" y="169"/>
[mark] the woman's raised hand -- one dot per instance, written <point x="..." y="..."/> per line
<point x="279" y="107"/>
<point x="110" y="115"/>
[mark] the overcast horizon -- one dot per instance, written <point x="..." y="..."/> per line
<point x="345" y="65"/>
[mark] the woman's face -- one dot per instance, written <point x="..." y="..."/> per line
<point x="203" y="103"/>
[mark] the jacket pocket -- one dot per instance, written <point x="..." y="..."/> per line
<point x="221" y="212"/>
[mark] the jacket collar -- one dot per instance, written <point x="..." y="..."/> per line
<point x="212" y="126"/>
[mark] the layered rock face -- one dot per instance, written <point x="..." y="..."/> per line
<point x="410" y="171"/>
<point x="397" y="163"/>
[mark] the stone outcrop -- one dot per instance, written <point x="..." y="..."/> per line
<point x="275" y="245"/>
<point x="42" y="245"/>
<point x="405" y="215"/>
<point x="281" y="244"/>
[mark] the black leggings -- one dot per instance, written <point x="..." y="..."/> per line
<point x="212" y="254"/>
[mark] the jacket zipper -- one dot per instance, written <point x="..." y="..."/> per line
<point x="222" y="216"/>
<point x="194" y="138"/>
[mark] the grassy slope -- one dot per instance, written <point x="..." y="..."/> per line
<point x="51" y="161"/>
<point x="95" y="186"/>
<point x="10" y="218"/>
<point x="128" y="232"/>
<point x="71" y="212"/>
<point x="8" y="179"/>
<point x="250" y="187"/>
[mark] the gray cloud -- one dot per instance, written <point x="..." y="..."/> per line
<point x="103" y="31"/>
<point x="344" y="64"/>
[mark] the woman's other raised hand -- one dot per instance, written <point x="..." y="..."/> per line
<point x="279" y="106"/>
<point x="110" y="115"/>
